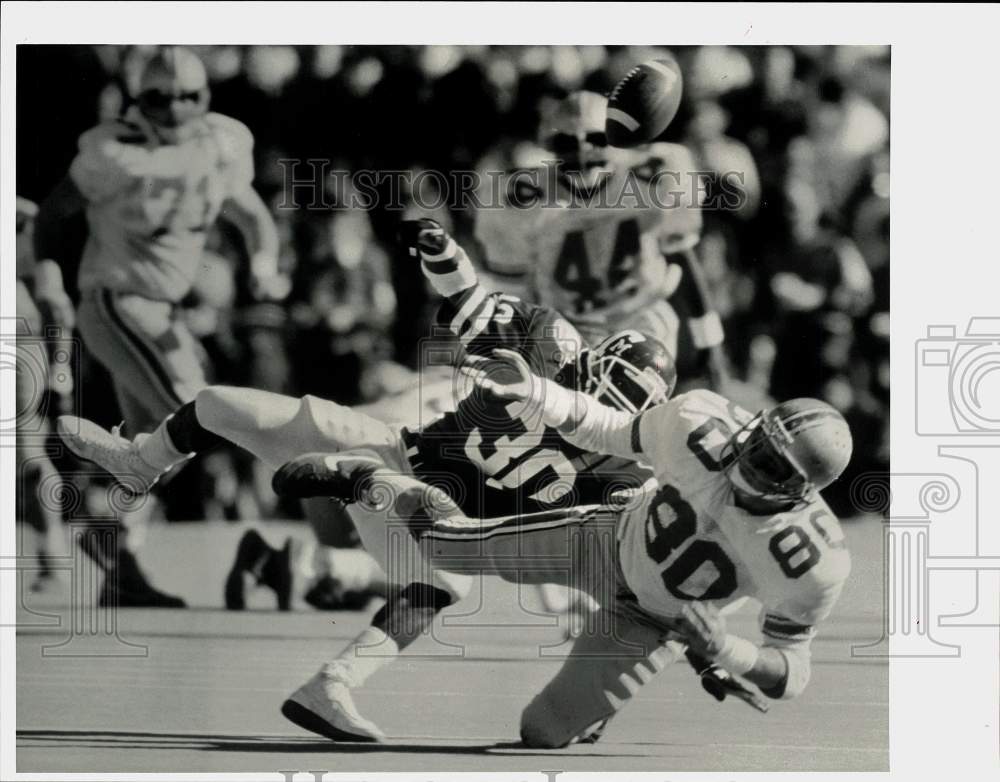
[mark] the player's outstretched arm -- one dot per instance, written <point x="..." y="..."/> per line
<point x="481" y="320"/>
<point x="580" y="419"/>
<point x="704" y="322"/>
<point x="245" y="209"/>
<point x="779" y="669"/>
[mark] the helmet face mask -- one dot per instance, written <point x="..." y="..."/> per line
<point x="622" y="385"/>
<point x="761" y="463"/>
<point x="788" y="453"/>
<point x="575" y="135"/>
<point x="628" y="371"/>
<point x="172" y="110"/>
<point x="173" y="92"/>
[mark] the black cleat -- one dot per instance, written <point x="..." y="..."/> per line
<point x="343" y="478"/>
<point x="126" y="586"/>
<point x="328" y="594"/>
<point x="143" y="597"/>
<point x="270" y="567"/>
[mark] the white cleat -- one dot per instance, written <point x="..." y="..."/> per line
<point x="324" y="705"/>
<point x="116" y="454"/>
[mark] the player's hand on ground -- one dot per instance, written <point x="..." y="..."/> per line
<point x="703" y="627"/>
<point x="518" y="383"/>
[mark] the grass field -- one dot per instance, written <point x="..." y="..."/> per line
<point x="202" y="689"/>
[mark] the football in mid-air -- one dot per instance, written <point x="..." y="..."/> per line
<point x="643" y="103"/>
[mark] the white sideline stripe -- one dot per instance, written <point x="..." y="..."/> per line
<point x="660" y="68"/>
<point x="622" y="118"/>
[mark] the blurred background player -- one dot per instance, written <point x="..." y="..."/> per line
<point x="36" y="375"/>
<point x="152" y="183"/>
<point x="606" y="236"/>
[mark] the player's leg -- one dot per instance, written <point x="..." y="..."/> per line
<point x="156" y="368"/>
<point x="147" y="350"/>
<point x="35" y="470"/>
<point x="392" y="499"/>
<point x="607" y="666"/>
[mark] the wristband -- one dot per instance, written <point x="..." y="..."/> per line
<point x="738" y="655"/>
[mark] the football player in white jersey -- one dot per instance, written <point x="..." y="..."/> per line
<point x="604" y="235"/>
<point x="734" y="512"/>
<point x="152" y="183"/>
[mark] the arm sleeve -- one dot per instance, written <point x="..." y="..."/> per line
<point x="793" y="640"/>
<point x="791" y="627"/>
<point x="236" y="151"/>
<point x="703" y="320"/>
<point x="593" y="426"/>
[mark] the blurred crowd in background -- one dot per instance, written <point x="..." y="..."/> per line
<point x="799" y="273"/>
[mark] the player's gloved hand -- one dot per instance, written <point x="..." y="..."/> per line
<point x="54" y="304"/>
<point x="719" y="683"/>
<point x="507" y="376"/>
<point x="424" y="235"/>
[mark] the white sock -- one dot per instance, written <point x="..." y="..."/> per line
<point x="158" y="450"/>
<point x="363" y="656"/>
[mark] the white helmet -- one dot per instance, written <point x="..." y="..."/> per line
<point x="790" y="451"/>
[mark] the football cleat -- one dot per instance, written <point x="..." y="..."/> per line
<point x="324" y="705"/>
<point x="790" y="451"/>
<point x="270" y="567"/>
<point x="629" y="371"/>
<point x="109" y="450"/>
<point x="343" y="478"/>
<point x="147" y="597"/>
<point x="126" y="586"/>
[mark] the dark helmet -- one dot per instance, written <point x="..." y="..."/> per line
<point x="630" y="371"/>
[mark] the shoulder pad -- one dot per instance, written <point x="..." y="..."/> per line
<point x="233" y="136"/>
<point x="117" y="130"/>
